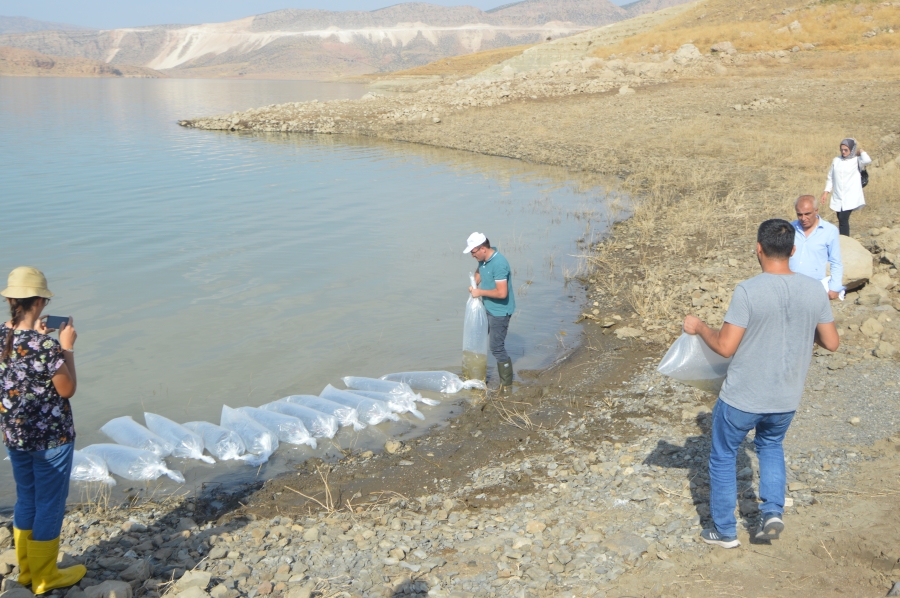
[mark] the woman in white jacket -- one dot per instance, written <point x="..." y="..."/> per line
<point x="844" y="183"/>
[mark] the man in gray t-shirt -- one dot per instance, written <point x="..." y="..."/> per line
<point x="770" y="327"/>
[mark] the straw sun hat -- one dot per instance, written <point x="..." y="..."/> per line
<point x="25" y="282"/>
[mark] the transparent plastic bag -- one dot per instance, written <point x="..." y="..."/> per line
<point x="289" y="429"/>
<point x="127" y="432"/>
<point x="370" y="411"/>
<point x="90" y="468"/>
<point x="377" y="385"/>
<point x="438" y="381"/>
<point x="320" y="425"/>
<point x="222" y="443"/>
<point x="257" y="438"/>
<point x="188" y="444"/>
<point x="132" y="463"/>
<point x="475" y="338"/>
<point x="690" y="361"/>
<point x="395" y="403"/>
<point x="347" y="416"/>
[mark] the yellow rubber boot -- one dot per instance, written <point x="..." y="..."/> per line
<point x="44" y="574"/>
<point x="21" y="538"/>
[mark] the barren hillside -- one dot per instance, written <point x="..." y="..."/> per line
<point x="326" y="44"/>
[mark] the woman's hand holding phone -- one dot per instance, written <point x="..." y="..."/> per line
<point x="67" y="335"/>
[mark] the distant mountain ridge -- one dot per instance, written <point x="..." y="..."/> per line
<point x="323" y="44"/>
<point x="26" y="25"/>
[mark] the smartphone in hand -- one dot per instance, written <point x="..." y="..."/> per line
<point x="55" y="322"/>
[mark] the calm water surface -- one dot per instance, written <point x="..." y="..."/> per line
<point x="207" y="268"/>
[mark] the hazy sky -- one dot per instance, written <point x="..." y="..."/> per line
<point x="109" y="14"/>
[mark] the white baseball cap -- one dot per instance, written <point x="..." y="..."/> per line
<point x="474" y="240"/>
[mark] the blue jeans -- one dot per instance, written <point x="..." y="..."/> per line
<point x="729" y="428"/>
<point x="497" y="328"/>
<point x="42" y="486"/>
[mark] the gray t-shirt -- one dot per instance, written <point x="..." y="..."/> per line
<point x="780" y="314"/>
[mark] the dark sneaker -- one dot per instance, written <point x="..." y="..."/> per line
<point x="711" y="536"/>
<point x="770" y="526"/>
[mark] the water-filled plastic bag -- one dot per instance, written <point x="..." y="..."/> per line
<point x="288" y="428"/>
<point x="370" y="411"/>
<point x="222" y="443"/>
<point x="320" y="425"/>
<point x="90" y="468"/>
<point x="127" y="432"/>
<point x="395" y="403"/>
<point x="378" y="385"/>
<point x="257" y="438"/>
<point x="475" y="337"/>
<point x="438" y="381"/>
<point x="131" y="463"/>
<point x="188" y="444"/>
<point x="346" y="416"/>
<point x="690" y="361"/>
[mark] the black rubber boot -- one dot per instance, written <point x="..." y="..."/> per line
<point x="506" y="374"/>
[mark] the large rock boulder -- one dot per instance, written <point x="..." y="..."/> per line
<point x="856" y="259"/>
<point x="687" y="53"/>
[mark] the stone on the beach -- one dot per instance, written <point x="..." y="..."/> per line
<point x="17" y="592"/>
<point x="311" y="535"/>
<point x="186" y="524"/>
<point x="628" y="332"/>
<point x="131" y="526"/>
<point x="75" y="592"/>
<point x="856" y="259"/>
<point x="218" y="552"/>
<point x="853" y="421"/>
<point x="885" y="350"/>
<point x="193" y="592"/>
<point x="240" y="570"/>
<point x="535" y="527"/>
<point x="5" y="537"/>
<point x="625" y="90"/>
<point x="392" y="446"/>
<point x="115" y="563"/>
<point x="882" y="280"/>
<point x="871" y="327"/>
<point x="193" y="579"/>
<point x="8" y="561"/>
<point x="109" y="589"/>
<point x="628" y="546"/>
<point x="222" y="591"/>
<point x="139" y="571"/>
<point x="265" y="588"/>
<point x="300" y="591"/>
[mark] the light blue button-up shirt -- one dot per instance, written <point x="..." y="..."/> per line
<point x="813" y="252"/>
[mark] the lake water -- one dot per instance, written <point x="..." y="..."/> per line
<point x="208" y="268"/>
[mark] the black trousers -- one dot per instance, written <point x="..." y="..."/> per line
<point x="844" y="222"/>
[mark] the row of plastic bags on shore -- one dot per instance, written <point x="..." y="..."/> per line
<point x="252" y="434"/>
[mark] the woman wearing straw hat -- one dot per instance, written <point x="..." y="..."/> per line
<point x="844" y="182"/>
<point x="37" y="379"/>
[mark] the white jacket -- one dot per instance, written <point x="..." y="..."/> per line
<point x="844" y="184"/>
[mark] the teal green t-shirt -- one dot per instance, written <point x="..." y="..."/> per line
<point x="497" y="268"/>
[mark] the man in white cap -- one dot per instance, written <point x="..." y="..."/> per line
<point x="494" y="285"/>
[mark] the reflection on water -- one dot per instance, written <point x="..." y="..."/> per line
<point x="207" y="268"/>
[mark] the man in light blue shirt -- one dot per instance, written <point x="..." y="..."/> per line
<point x="817" y="242"/>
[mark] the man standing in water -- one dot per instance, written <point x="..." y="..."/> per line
<point x="817" y="244"/>
<point x="769" y="328"/>
<point x="493" y="282"/>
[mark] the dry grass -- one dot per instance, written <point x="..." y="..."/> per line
<point x="689" y="201"/>
<point x="828" y="25"/>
